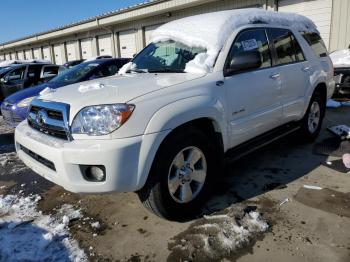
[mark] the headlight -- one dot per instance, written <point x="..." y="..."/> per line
<point x="25" y="102"/>
<point x="102" y="119"/>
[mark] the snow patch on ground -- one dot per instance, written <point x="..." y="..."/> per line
<point x="335" y="104"/>
<point x="83" y="88"/>
<point x="215" y="237"/>
<point x="211" y="31"/>
<point x="341" y="58"/>
<point x="28" y="235"/>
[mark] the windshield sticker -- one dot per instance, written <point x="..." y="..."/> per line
<point x="249" y="44"/>
<point x="93" y="65"/>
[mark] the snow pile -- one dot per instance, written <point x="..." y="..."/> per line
<point x="125" y="68"/>
<point x="335" y="104"/>
<point x="28" y="235"/>
<point x="216" y="237"/>
<point x="83" y="88"/>
<point x="211" y="31"/>
<point x="47" y="90"/>
<point x="341" y="58"/>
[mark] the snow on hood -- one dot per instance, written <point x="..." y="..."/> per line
<point x="341" y="58"/>
<point x="211" y="31"/>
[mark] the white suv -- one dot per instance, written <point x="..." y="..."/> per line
<point x="208" y="85"/>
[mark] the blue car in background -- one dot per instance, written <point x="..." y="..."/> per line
<point x="15" y="107"/>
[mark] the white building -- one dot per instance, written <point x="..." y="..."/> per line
<point x="124" y="32"/>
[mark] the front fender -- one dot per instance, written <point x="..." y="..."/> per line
<point x="171" y="116"/>
<point x="185" y="110"/>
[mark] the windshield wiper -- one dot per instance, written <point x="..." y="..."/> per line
<point x="165" y="70"/>
<point x="136" y="70"/>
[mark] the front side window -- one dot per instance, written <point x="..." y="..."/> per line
<point x="50" y="71"/>
<point x="253" y="40"/>
<point x="316" y="43"/>
<point x="165" y="56"/>
<point x="16" y="74"/>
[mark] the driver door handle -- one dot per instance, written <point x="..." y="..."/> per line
<point x="306" y="68"/>
<point x="275" y="76"/>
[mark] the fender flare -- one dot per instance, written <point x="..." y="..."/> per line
<point x="172" y="116"/>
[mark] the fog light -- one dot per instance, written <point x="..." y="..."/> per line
<point x="94" y="173"/>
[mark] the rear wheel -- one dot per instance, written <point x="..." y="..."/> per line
<point x="312" y="122"/>
<point x="180" y="178"/>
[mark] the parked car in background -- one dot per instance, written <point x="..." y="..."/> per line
<point x="70" y="64"/>
<point x="341" y="62"/>
<point x="196" y="93"/>
<point x="15" y="107"/>
<point x="22" y="76"/>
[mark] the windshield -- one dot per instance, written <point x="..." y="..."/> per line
<point x="75" y="74"/>
<point x="169" y="56"/>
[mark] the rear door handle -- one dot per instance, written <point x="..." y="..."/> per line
<point x="275" y="76"/>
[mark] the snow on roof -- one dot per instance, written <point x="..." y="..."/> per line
<point x="211" y="30"/>
<point x="29" y="61"/>
<point x="341" y="58"/>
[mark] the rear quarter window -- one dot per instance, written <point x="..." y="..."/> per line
<point x="316" y="43"/>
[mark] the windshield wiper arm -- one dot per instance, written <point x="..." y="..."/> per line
<point x="136" y="70"/>
<point x="165" y="70"/>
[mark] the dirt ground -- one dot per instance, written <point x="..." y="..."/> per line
<point x="309" y="225"/>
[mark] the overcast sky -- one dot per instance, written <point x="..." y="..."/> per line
<point x="25" y="17"/>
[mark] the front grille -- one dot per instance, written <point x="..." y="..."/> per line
<point x="49" y="130"/>
<point x="38" y="158"/>
<point x="50" y="118"/>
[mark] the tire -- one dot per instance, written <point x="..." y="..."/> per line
<point x="161" y="195"/>
<point x="310" y="129"/>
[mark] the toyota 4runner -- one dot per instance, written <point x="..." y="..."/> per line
<point x="207" y="86"/>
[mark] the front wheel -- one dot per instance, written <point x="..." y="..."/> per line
<point x="181" y="174"/>
<point x="312" y="122"/>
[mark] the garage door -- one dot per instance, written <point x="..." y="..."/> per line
<point x="2" y="57"/>
<point x="86" y="48"/>
<point x="58" y="54"/>
<point x="148" y="33"/>
<point x="37" y="53"/>
<point x="127" y="42"/>
<point x="13" y="55"/>
<point x="28" y="54"/>
<point x="71" y="52"/>
<point x="319" y="11"/>
<point x="8" y="57"/>
<point x="47" y="53"/>
<point x="20" y="55"/>
<point x="105" y="45"/>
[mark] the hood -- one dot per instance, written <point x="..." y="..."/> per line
<point x="29" y="92"/>
<point x="115" y="89"/>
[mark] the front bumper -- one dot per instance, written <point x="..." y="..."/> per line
<point x="120" y="157"/>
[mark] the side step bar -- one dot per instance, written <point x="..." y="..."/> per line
<point x="260" y="141"/>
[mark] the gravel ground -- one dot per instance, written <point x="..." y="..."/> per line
<point x="260" y="211"/>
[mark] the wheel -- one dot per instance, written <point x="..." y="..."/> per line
<point x="312" y="122"/>
<point x="180" y="178"/>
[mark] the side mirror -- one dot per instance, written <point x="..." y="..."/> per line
<point x="244" y="61"/>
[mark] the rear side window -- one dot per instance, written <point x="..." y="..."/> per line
<point x="316" y="43"/>
<point x="286" y="46"/>
<point x="252" y="40"/>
